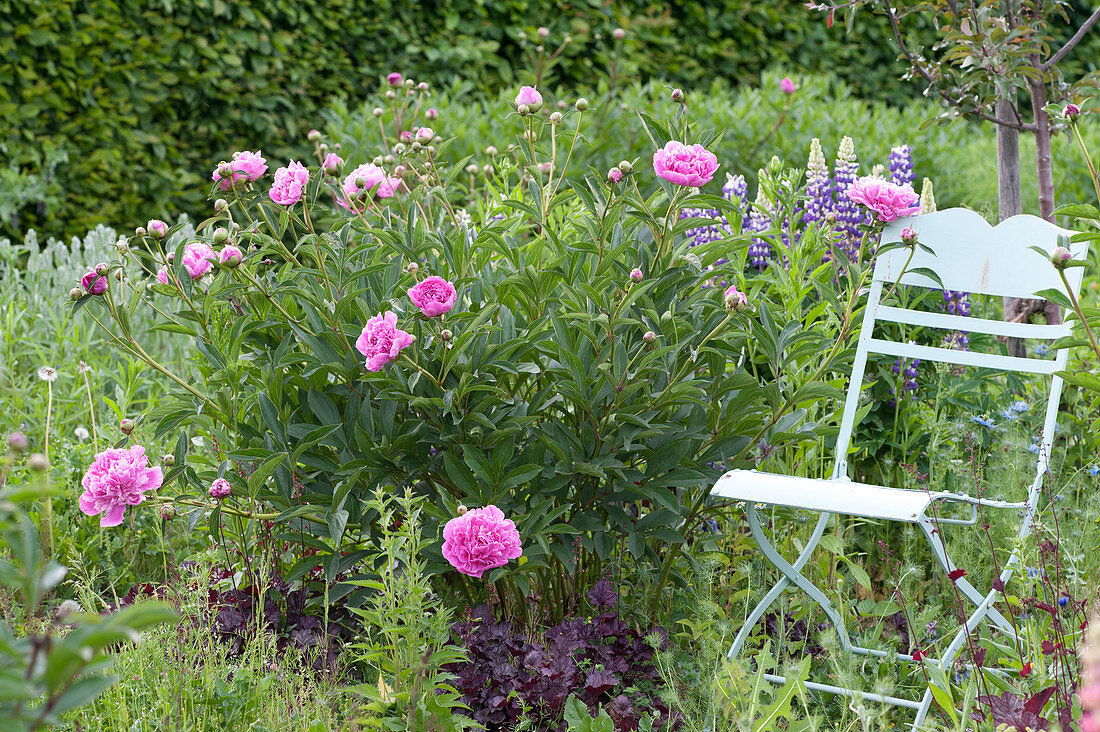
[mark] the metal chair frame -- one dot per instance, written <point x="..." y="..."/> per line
<point x="970" y="256"/>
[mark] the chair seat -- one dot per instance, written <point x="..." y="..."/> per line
<point x="834" y="496"/>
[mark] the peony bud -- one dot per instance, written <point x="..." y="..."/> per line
<point x="491" y="151"/>
<point x="221" y="235"/>
<point x="400" y="148"/>
<point x="1059" y="257"/>
<point x="678" y="95"/>
<point x="377" y="111"/>
<point x="390" y="159"/>
<point x="555" y="118"/>
<point x="618" y="34"/>
<point x="787" y="86"/>
<point x="614" y="175"/>
<point x="830" y="218"/>
<point x="445" y="335"/>
<point x="735" y="299"/>
<point x="1072" y="112"/>
<point x="424" y="135"/>
<point x="167" y="511"/>
<point x="544" y="32"/>
<point x="409" y="83"/>
<point x="636" y="274"/>
<point x="17" y="442"/>
<point x="412" y="268"/>
<point x="581" y="104"/>
<point x="472" y="169"/>
<point x="393" y="79"/>
<point x="390" y="94"/>
<point x="220" y="488"/>
<point x="314" y="135"/>
<point x="74" y="294"/>
<point x="489" y="170"/>
<point x="649" y="336"/>
<point x="168" y="459"/>
<point x="626" y="167"/>
<point x="908" y="236"/>
<point x="127" y="426"/>
<point x="461" y="510"/>
<point x="38" y="462"/>
<point x="139" y="231"/>
<point x="422" y="86"/>
<point x="523" y="110"/>
<point x="432" y="113"/>
<point x="221" y="205"/>
<point x="102" y="269"/>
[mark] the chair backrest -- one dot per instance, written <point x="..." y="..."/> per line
<point x="968" y="255"/>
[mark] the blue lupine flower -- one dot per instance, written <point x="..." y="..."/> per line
<point x="1009" y="414"/>
<point x="1019" y="406"/>
<point x="1041" y="350"/>
<point x="983" y="421"/>
<point x="1094" y="470"/>
<point x="1036" y="572"/>
<point x="1063" y="601"/>
<point x="961" y="676"/>
<point x="1033" y="449"/>
<point x="819" y="186"/>
<point x="932" y="630"/>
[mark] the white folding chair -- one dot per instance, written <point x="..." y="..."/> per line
<point x="969" y="256"/>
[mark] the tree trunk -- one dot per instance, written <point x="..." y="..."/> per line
<point x="1044" y="171"/>
<point x="1009" y="201"/>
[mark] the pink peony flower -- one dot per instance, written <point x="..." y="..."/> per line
<point x="198" y="258"/>
<point x="118" y="478"/>
<point x="432" y="113"/>
<point x="393" y="79"/>
<point x="93" y="284"/>
<point x="381" y="340"/>
<point x="162" y="275"/>
<point x="685" y="165"/>
<point x="434" y="296"/>
<point x="424" y="135"/>
<point x="289" y="183"/>
<point x="889" y="200"/>
<point x="530" y="96"/>
<point x="406" y="136"/>
<point x="230" y="255"/>
<point x="376" y="180"/>
<point x="480" y="539"/>
<point x="246" y="167"/>
<point x="787" y="86"/>
<point x="615" y="175"/>
<point x="220" y="488"/>
<point x="636" y="275"/>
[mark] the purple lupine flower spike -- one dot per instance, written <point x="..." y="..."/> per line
<point x="901" y="165"/>
<point x="759" y="220"/>
<point x="849" y="214"/>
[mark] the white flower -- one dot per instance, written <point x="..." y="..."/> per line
<point x="83" y="367"/>
<point x="81" y="433"/>
<point x="47" y="373"/>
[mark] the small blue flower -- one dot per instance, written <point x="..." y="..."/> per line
<point x="1009" y="414"/>
<point x="1063" y="601"/>
<point x="1019" y="406"/>
<point x="1036" y="572"/>
<point x="961" y="676"/>
<point x="984" y="421"/>
<point x="1041" y="350"/>
<point x="1094" y="470"/>
<point x="1033" y="449"/>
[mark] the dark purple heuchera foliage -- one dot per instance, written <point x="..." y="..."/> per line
<point x="597" y="659"/>
<point x="232" y="617"/>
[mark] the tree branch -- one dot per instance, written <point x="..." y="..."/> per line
<point x="1049" y="64"/>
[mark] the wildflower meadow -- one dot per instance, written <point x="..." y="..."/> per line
<point x="436" y="403"/>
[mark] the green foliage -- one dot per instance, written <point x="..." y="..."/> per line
<point x="46" y="673"/>
<point x="408" y="632"/>
<point x="579" y="720"/>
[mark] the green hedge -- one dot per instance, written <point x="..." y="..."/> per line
<point x="117" y="110"/>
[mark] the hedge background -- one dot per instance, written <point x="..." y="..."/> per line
<point x="117" y="110"/>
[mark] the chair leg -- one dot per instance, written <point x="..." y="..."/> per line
<point x="791" y="574"/>
<point x="968" y="590"/>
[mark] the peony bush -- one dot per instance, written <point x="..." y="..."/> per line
<point x="562" y="352"/>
